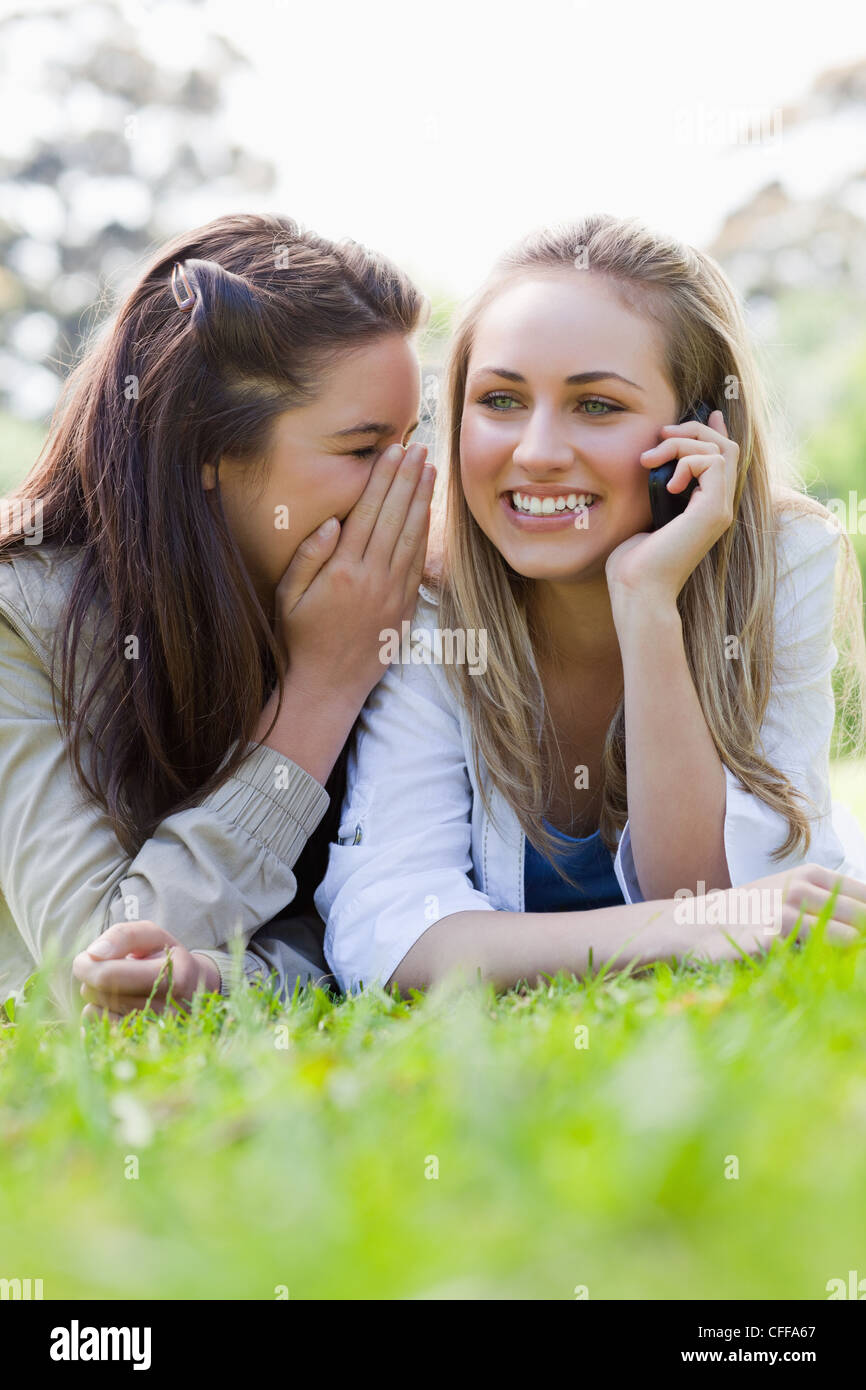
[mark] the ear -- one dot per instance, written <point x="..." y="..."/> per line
<point x="208" y="477"/>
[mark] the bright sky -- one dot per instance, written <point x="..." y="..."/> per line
<point x="439" y="133"/>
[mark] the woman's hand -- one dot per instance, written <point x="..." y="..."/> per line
<point x="783" y="896"/>
<point x="656" y="564"/>
<point x="339" y="592"/>
<point x="342" y="589"/>
<point x="119" y="971"/>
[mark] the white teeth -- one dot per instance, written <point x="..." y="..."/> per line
<point x="545" y="506"/>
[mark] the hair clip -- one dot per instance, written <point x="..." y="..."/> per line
<point x="188" y="300"/>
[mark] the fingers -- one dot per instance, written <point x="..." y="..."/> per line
<point x="847" y="911"/>
<point x="308" y="559"/>
<point x="129" y="961"/>
<point x="391" y="521"/>
<point x="852" y="888"/>
<point x="412" y="541"/>
<point x="128" y="938"/>
<point x="358" y="525"/>
<point x="696" y="438"/>
<point x="834" y="930"/>
<point x="692" y="466"/>
<point x="693" y="429"/>
<point x="122" y="986"/>
<point x="837" y="931"/>
<point x="672" y="448"/>
<point x="712" y="461"/>
<point x="123" y="977"/>
<point x="811" y="888"/>
<point x="851" y="911"/>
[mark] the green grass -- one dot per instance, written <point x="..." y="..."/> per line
<point x="305" y="1165"/>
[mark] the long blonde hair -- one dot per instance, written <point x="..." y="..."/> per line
<point x="732" y="590"/>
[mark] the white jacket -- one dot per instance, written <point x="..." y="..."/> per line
<point x="415" y="843"/>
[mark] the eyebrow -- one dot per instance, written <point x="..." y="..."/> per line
<point x="579" y="378"/>
<point x="370" y="427"/>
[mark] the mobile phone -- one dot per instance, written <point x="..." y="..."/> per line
<point x="666" y="505"/>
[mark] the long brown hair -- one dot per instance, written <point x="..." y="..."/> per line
<point x="732" y="590"/>
<point x="157" y="396"/>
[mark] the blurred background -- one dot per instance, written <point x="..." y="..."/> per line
<point x="439" y="136"/>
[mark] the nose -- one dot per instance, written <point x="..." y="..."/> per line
<point x="543" y="446"/>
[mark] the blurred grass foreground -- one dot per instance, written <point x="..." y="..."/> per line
<point x="683" y="1134"/>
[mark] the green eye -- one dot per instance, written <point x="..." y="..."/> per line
<point x="495" y="398"/>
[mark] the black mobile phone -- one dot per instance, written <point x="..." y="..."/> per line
<point x="666" y="505"/>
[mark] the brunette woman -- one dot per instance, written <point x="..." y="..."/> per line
<point x="227" y="516"/>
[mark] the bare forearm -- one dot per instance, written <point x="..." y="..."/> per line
<point x="506" y="947"/>
<point x="312" y="725"/>
<point x="676" y="781"/>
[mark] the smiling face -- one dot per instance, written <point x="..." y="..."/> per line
<point x="321" y="456"/>
<point x="565" y="390"/>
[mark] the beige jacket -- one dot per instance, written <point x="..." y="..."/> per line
<point x="220" y="870"/>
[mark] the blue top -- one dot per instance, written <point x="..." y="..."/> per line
<point x="587" y="860"/>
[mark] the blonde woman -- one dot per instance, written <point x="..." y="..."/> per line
<point x="650" y="727"/>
